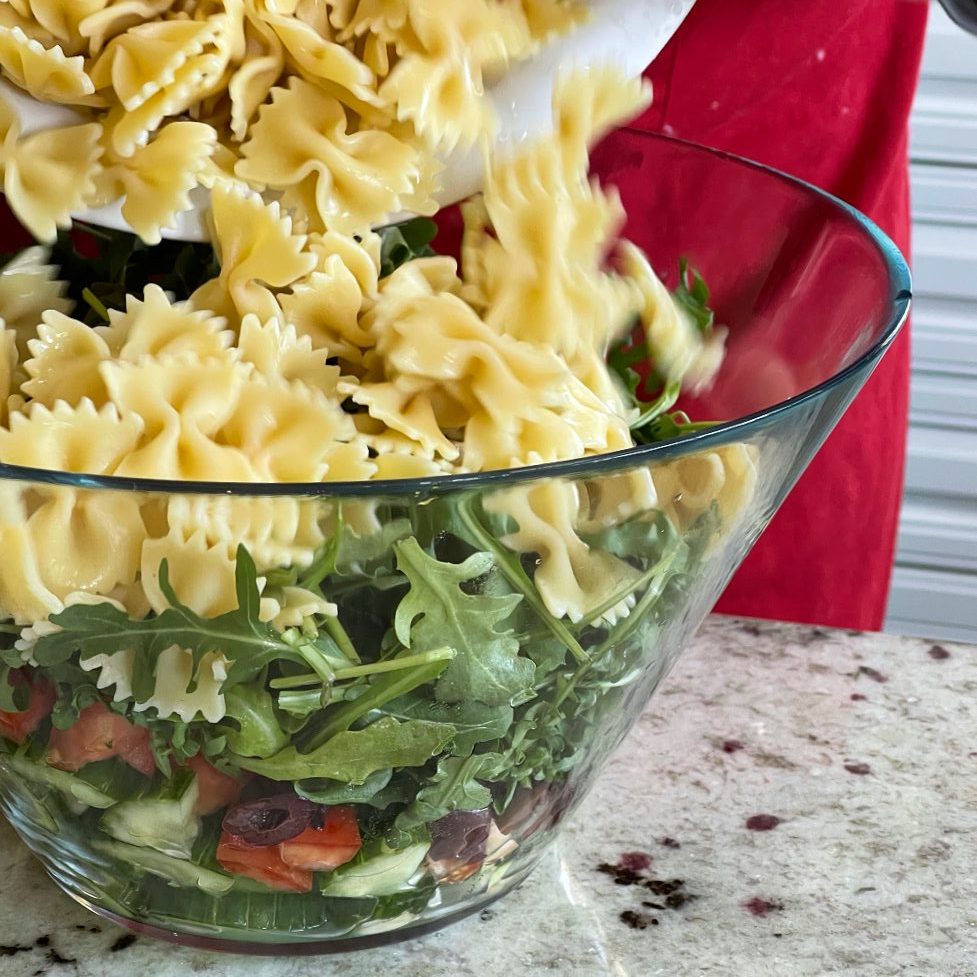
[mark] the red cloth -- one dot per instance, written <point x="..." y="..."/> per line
<point x="822" y="90"/>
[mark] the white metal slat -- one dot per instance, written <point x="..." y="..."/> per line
<point x="934" y="603"/>
<point x="939" y="532"/>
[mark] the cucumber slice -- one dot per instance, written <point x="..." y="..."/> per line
<point x="165" y="821"/>
<point x="70" y="784"/>
<point x="176" y="870"/>
<point x="376" y="871"/>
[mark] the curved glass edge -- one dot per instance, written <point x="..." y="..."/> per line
<point x="726" y="432"/>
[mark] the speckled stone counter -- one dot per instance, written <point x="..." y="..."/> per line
<point x="794" y="802"/>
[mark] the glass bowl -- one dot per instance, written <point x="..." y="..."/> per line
<point x="398" y="691"/>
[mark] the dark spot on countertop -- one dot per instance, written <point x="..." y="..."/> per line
<point x="762" y="908"/>
<point x="43" y="941"/>
<point x="635" y="861"/>
<point x="55" y="959"/>
<point x="748" y="627"/>
<point x="486" y="914"/>
<point x="620" y="874"/>
<point x="938" y="653"/>
<point x="873" y="673"/>
<point x="11" y="949"/>
<point x="637" y="921"/>
<point x="762" y="822"/>
<point x="667" y="842"/>
<point x="732" y="746"/>
<point x="123" y="943"/>
<point x="665" y="887"/>
<point x="88" y="929"/>
<point x="858" y="697"/>
<point x="859" y="769"/>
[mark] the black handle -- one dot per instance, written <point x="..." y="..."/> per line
<point x="962" y="12"/>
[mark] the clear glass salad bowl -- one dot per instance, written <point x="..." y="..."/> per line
<point x="392" y="694"/>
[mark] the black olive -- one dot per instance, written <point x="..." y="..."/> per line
<point x="461" y="835"/>
<point x="270" y="820"/>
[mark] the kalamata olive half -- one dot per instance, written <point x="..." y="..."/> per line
<point x="270" y="820"/>
<point x="461" y="835"/>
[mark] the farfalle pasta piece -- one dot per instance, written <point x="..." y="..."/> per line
<point x="326" y="64"/>
<point x="174" y="675"/>
<point x="277" y="532"/>
<point x="44" y="72"/>
<point x="116" y="17"/>
<point x="258" y="251"/>
<point x="29" y="287"/>
<point x="535" y="246"/>
<point x="517" y="402"/>
<point x="158" y="327"/>
<point x="47" y="174"/>
<point x="68" y="538"/>
<point x="201" y="575"/>
<point x="69" y="438"/>
<point x="680" y="351"/>
<point x="8" y="364"/>
<point x="280" y="354"/>
<point x="64" y="362"/>
<point x="722" y="481"/>
<point x="156" y="180"/>
<point x="357" y="179"/>
<point x="23" y="594"/>
<point x="196" y="78"/>
<point x="574" y="580"/>
<point x="295" y="604"/>
<point x="326" y="306"/>
<point x="145" y="59"/>
<point x="292" y="433"/>
<point x="252" y="79"/>
<point x="63" y="18"/>
<point x="183" y="403"/>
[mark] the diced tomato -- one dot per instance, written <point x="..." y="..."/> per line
<point x="217" y="789"/>
<point x="328" y="847"/>
<point x="98" y="734"/>
<point x="17" y="726"/>
<point x="263" y="863"/>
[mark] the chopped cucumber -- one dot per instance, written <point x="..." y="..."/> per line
<point x="175" y="870"/>
<point x="70" y="784"/>
<point x="165" y="821"/>
<point x="377" y="870"/>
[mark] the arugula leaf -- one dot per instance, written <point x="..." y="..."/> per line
<point x="383" y="688"/>
<point x="352" y="756"/>
<point x="246" y="641"/>
<point x="400" y="243"/>
<point x="333" y="792"/>
<point x="454" y="787"/>
<point x="473" y="722"/>
<point x="692" y="295"/>
<point x="255" y="731"/>
<point x="641" y="537"/>
<point x="436" y="611"/>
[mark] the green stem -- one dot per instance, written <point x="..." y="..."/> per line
<point x="627" y="626"/>
<point x="395" y="664"/>
<point x="96" y="305"/>
<point x="666" y="399"/>
<point x="516" y="576"/>
<point x="311" y="655"/>
<point x="338" y="634"/>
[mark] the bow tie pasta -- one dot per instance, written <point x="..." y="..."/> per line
<point x="339" y="108"/>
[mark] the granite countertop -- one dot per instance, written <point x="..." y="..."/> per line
<point x="794" y="802"/>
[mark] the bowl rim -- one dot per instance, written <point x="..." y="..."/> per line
<point x="723" y="433"/>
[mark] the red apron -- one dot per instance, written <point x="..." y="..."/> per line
<point x="822" y="90"/>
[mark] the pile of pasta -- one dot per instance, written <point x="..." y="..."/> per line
<point x="338" y="107"/>
<point x="299" y="364"/>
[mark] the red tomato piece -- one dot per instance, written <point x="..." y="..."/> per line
<point x="323" y="849"/>
<point x="216" y="789"/>
<point x="98" y="734"/>
<point x="263" y="863"/>
<point x="17" y="726"/>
